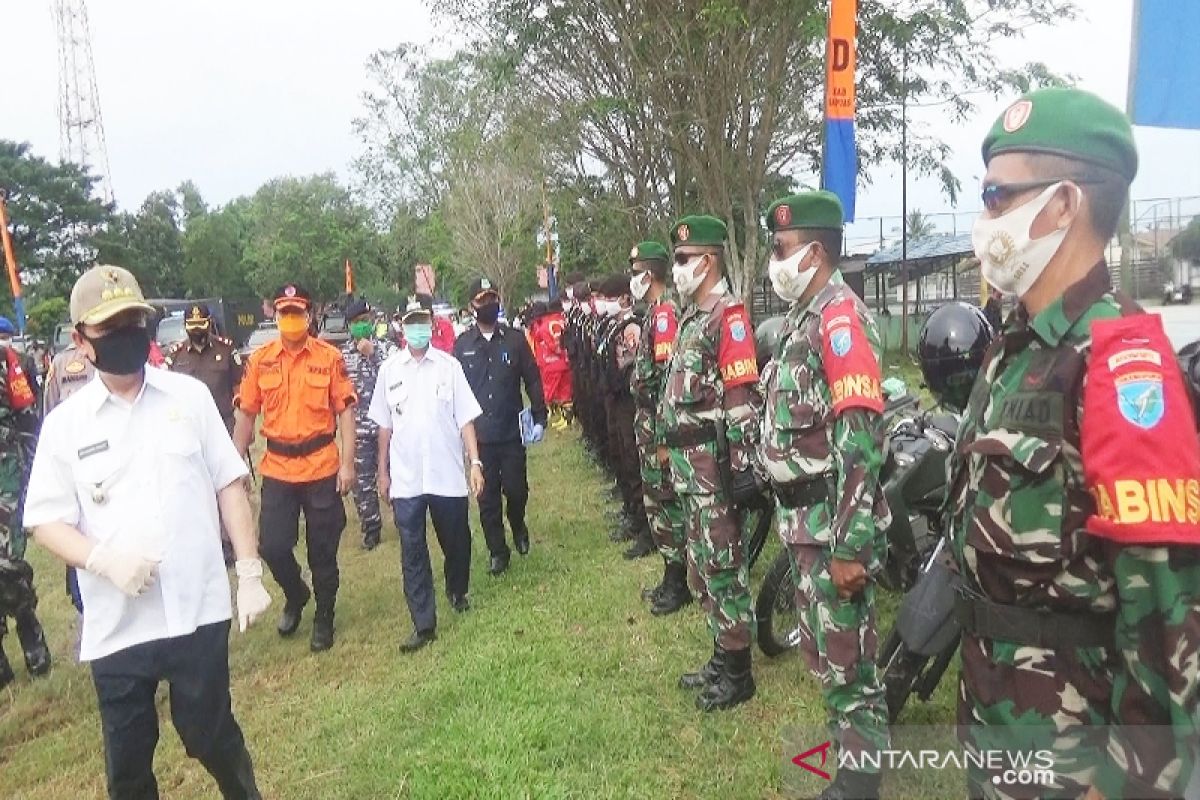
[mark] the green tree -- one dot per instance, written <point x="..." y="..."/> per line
<point x="919" y="225"/>
<point x="1187" y="244"/>
<point x="44" y="315"/>
<point x="214" y="246"/>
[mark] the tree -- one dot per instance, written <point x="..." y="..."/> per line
<point x="1186" y="245"/>
<point x="44" y="315"/>
<point x="919" y="225"/>
<point x="214" y="246"/>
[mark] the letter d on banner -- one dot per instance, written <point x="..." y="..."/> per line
<point x="839" y="170"/>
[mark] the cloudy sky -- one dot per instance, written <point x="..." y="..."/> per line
<point x="230" y="93"/>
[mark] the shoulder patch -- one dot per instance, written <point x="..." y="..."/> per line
<point x="736" y="356"/>
<point x="851" y="366"/>
<point x="666" y="328"/>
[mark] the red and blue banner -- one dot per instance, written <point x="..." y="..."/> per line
<point x="1164" y="68"/>
<point x="839" y="170"/>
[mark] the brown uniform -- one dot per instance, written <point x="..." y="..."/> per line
<point x="217" y="365"/>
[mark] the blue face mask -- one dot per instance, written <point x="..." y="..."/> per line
<point x="418" y="335"/>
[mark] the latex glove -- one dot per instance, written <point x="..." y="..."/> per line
<point x="128" y="570"/>
<point x="252" y="598"/>
<point x="537" y="434"/>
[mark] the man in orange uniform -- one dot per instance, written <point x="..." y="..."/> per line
<point x="300" y="385"/>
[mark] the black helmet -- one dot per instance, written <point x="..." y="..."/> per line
<point x="953" y="341"/>
<point x="1189" y="365"/>
<point x="766" y="339"/>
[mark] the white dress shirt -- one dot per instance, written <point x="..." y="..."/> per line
<point x="426" y="403"/>
<point x="144" y="475"/>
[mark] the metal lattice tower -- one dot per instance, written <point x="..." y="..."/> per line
<point x="80" y="126"/>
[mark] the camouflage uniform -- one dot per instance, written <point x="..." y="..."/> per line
<point x="663" y="508"/>
<point x="823" y="462"/>
<point x="363" y="370"/>
<point x="695" y="402"/>
<point x="1019" y="510"/>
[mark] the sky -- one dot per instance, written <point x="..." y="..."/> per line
<point x="231" y="93"/>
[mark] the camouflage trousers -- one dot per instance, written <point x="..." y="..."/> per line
<point x="720" y="568"/>
<point x="366" y="472"/>
<point x="839" y="642"/>
<point x="664" y="511"/>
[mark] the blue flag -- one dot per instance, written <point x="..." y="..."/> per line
<point x="1164" y="69"/>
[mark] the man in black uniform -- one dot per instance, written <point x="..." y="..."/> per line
<point x="211" y="359"/>
<point x="496" y="359"/>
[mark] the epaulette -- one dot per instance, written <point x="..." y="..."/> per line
<point x="225" y="341"/>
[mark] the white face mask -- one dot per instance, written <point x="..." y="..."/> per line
<point x="1009" y="259"/>
<point x="685" y="277"/>
<point x="639" y="286"/>
<point x="786" y="278"/>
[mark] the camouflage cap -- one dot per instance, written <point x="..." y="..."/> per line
<point x="103" y="292"/>
<point x="648" y="251"/>
<point x="806" y="210"/>
<point x="699" y="230"/>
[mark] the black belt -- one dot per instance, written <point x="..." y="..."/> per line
<point x="691" y="437"/>
<point x="297" y="449"/>
<point x="803" y="493"/>
<point x="1034" y="627"/>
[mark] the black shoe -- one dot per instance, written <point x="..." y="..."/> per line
<point x="33" y="643"/>
<point x="289" y="620"/>
<point x="708" y="673"/>
<point x="460" y="603"/>
<point x="322" y="632"/>
<point x="624" y="531"/>
<point x="674" y="594"/>
<point x="370" y="541"/>
<point x="522" y="541"/>
<point x="7" y="675"/>
<point x="418" y="640"/>
<point x="651" y="595"/>
<point x="851" y="785"/>
<point x="642" y="546"/>
<point x="734" y="684"/>
<point x="498" y="565"/>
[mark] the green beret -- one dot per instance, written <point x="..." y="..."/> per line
<point x="808" y="210"/>
<point x="1066" y="122"/>
<point x="699" y="230"/>
<point x="648" y="251"/>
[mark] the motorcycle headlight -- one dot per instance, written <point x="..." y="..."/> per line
<point x="904" y="459"/>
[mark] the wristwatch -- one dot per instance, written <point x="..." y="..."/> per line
<point x="475" y="462"/>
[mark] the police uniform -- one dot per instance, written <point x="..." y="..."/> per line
<point x="213" y="360"/>
<point x="1074" y="504"/>
<point x="69" y="372"/>
<point x="363" y="370"/>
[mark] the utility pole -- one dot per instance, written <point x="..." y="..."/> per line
<point x="80" y="125"/>
<point x="904" y="199"/>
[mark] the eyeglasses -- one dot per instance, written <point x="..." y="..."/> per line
<point x="996" y="196"/>
<point x="682" y="259"/>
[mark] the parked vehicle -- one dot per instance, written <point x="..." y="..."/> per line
<point x="265" y="333"/>
<point x="1176" y="293"/>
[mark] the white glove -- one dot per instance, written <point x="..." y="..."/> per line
<point x="537" y="434"/>
<point x="252" y="598"/>
<point x="129" y="571"/>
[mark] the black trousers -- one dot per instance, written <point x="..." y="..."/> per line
<point x="279" y="530"/>
<point x="453" y="534"/>
<point x="620" y="409"/>
<point x="196" y="668"/>
<point x="503" y="472"/>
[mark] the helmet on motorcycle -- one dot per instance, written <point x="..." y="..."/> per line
<point x="1189" y="365"/>
<point x="766" y="339"/>
<point x="953" y="341"/>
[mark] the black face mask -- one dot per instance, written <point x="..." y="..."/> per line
<point x="122" y="351"/>
<point x="199" y="336"/>
<point x="488" y="313"/>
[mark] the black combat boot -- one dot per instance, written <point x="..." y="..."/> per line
<point x="289" y="620"/>
<point x="6" y="673"/>
<point x="651" y="595"/>
<point x="851" y="785"/>
<point x="624" y="530"/>
<point x="643" y="545"/>
<point x="708" y="673"/>
<point x="733" y="686"/>
<point x="33" y="643"/>
<point x="370" y="540"/>
<point x="322" y="632"/>
<point x="675" y="594"/>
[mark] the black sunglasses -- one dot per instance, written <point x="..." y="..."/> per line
<point x="996" y="196"/>
<point x="683" y="258"/>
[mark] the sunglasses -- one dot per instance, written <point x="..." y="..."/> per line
<point x="682" y="259"/>
<point x="996" y="196"/>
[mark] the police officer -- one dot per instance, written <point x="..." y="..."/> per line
<point x="710" y="424"/>
<point x="650" y="267"/>
<point x="821" y="446"/>
<point x="300" y="385"/>
<point x="69" y="371"/>
<point x="209" y="358"/>
<point x="1080" y="557"/>
<point x="364" y="355"/>
<point x="497" y="360"/>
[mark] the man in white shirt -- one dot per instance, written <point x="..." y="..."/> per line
<point x="425" y="411"/>
<point x="133" y="477"/>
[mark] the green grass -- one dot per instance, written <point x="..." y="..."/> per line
<point x="557" y="684"/>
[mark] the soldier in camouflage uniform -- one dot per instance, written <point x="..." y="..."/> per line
<point x="1074" y="515"/>
<point x="821" y="447"/>
<point x="18" y="600"/>
<point x="649" y="262"/>
<point x="364" y="355"/>
<point x="710" y="427"/>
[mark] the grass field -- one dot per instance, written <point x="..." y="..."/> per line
<point x="557" y="684"/>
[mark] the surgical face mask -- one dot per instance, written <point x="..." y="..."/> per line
<point x="571" y="293"/>
<point x="685" y="277"/>
<point x="418" y="334"/>
<point x="361" y="330"/>
<point x="293" y="327"/>
<point x="6" y="341"/>
<point x="612" y="308"/>
<point x="122" y="351"/>
<point x="488" y="313"/>
<point x="788" y="281"/>
<point x="640" y="285"/>
<point x="1010" y="260"/>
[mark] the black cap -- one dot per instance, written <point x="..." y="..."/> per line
<point x="294" y="295"/>
<point x="478" y="287"/>
<point x="357" y="308"/>
<point x="198" y="312"/>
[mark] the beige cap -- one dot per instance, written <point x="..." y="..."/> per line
<point x="103" y="292"/>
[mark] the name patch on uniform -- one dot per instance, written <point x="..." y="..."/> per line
<point x="1034" y="412"/>
<point x="318" y="370"/>
<point x="92" y="449"/>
